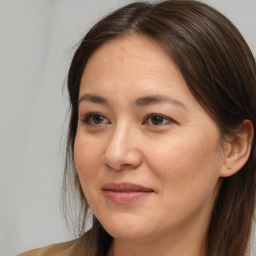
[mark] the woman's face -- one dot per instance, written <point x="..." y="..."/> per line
<point x="147" y="154"/>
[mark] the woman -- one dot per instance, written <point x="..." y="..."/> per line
<point x="161" y="139"/>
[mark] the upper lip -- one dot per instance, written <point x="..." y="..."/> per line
<point x="126" y="187"/>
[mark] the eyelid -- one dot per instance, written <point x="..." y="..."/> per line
<point x="170" y="120"/>
<point x="86" y="119"/>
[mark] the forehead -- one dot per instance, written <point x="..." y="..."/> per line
<point x="133" y="44"/>
<point x="132" y="59"/>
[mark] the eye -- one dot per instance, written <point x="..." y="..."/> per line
<point x="157" y="120"/>
<point x="95" y="119"/>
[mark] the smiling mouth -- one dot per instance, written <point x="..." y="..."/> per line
<point x="125" y="193"/>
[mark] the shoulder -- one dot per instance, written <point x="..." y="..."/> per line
<point x="62" y="249"/>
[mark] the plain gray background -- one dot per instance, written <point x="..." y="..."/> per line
<point x="36" y="47"/>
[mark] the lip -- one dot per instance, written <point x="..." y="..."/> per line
<point x="125" y="193"/>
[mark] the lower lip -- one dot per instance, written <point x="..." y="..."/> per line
<point x="118" y="197"/>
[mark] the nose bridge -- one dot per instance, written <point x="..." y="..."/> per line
<point x="122" y="149"/>
<point x="120" y="134"/>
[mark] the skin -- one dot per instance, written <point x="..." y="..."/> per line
<point x="180" y="157"/>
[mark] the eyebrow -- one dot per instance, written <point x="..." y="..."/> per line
<point x="142" y="101"/>
<point x="156" y="99"/>
<point x="93" y="98"/>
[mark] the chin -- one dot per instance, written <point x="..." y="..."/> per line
<point x="126" y="227"/>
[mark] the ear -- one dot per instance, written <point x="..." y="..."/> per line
<point x="237" y="149"/>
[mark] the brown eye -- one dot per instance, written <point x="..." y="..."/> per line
<point x="157" y="120"/>
<point x="95" y="119"/>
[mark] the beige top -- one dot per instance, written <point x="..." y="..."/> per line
<point x="62" y="249"/>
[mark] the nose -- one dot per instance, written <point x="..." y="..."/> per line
<point x="122" y="151"/>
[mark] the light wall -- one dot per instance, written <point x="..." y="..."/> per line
<point x="36" y="46"/>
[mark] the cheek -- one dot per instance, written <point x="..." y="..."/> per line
<point x="185" y="157"/>
<point x="87" y="158"/>
<point x="188" y="169"/>
<point x="87" y="161"/>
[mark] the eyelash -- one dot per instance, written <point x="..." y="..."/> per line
<point x="88" y="119"/>
<point x="164" y="118"/>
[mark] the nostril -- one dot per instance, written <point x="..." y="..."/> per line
<point x="127" y="161"/>
<point x="122" y="151"/>
<point x="112" y="166"/>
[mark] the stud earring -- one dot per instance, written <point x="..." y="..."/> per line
<point x="230" y="167"/>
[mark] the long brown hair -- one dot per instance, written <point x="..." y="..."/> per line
<point x="220" y="72"/>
